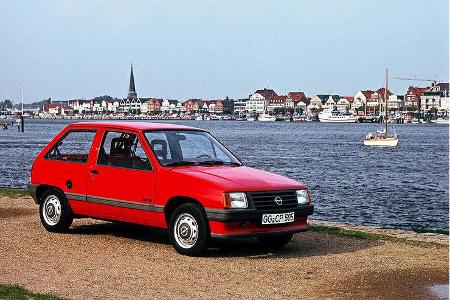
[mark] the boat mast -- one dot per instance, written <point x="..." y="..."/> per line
<point x="385" y="102"/>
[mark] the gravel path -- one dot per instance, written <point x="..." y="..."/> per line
<point x="101" y="260"/>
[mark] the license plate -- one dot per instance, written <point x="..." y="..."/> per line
<point x="278" y="218"/>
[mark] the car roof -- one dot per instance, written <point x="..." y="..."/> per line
<point x="133" y="125"/>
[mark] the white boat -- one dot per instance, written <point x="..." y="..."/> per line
<point x="442" y="121"/>
<point x="382" y="138"/>
<point x="250" y="119"/>
<point x="199" y="118"/>
<point x="415" y="121"/>
<point x="335" y="116"/>
<point x="266" y="118"/>
<point x="299" y="119"/>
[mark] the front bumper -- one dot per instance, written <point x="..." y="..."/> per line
<point x="245" y="214"/>
<point x="243" y="223"/>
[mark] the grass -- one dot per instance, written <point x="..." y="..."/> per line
<point x="13" y="192"/>
<point x="363" y="235"/>
<point x="16" y="292"/>
<point x="359" y="234"/>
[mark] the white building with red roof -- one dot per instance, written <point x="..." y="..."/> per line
<point x="259" y="100"/>
<point x="361" y="98"/>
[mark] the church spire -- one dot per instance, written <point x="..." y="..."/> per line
<point x="132" y="88"/>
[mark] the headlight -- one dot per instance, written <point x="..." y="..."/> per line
<point x="303" y="197"/>
<point x="236" y="200"/>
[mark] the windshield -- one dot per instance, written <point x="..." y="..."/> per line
<point x="188" y="147"/>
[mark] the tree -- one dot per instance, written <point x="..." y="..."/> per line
<point x="5" y="104"/>
<point x="101" y="98"/>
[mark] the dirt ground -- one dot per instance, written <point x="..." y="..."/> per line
<point x="102" y="260"/>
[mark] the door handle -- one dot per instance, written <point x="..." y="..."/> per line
<point x="95" y="172"/>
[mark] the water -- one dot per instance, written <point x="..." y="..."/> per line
<point x="405" y="187"/>
<point x="440" y="291"/>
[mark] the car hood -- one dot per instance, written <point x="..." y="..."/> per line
<point x="232" y="178"/>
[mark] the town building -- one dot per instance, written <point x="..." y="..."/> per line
<point x="191" y="105"/>
<point x="344" y="104"/>
<point x="360" y="100"/>
<point x="240" y="107"/>
<point x="278" y="102"/>
<point x="293" y="98"/>
<point x="56" y="109"/>
<point x="217" y="107"/>
<point x="259" y="101"/>
<point x="436" y="99"/>
<point x="172" y="106"/>
<point x="153" y="106"/>
<point x="375" y="103"/>
<point x="81" y="106"/>
<point x="322" y="101"/>
<point x="412" y="98"/>
<point x="395" y="102"/>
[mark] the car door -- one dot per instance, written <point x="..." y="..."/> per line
<point x="121" y="181"/>
<point x="66" y="165"/>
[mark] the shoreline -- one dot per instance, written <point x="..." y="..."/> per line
<point x="358" y="120"/>
<point x="379" y="233"/>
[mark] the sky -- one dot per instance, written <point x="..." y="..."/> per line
<point x="212" y="49"/>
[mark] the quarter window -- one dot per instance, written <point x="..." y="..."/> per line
<point x="73" y="147"/>
<point x="123" y="150"/>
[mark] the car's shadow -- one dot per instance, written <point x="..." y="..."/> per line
<point x="303" y="244"/>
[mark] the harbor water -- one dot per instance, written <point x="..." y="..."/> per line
<point x="405" y="187"/>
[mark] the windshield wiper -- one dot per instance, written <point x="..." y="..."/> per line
<point x="197" y="163"/>
<point x="217" y="162"/>
<point x="181" y="163"/>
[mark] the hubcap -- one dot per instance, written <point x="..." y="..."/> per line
<point x="51" y="210"/>
<point x="186" y="231"/>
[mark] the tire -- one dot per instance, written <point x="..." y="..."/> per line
<point x="189" y="229"/>
<point x="54" y="211"/>
<point x="275" y="241"/>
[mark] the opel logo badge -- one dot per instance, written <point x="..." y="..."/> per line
<point x="278" y="200"/>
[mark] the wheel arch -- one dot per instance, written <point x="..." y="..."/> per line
<point x="42" y="188"/>
<point x="175" y="202"/>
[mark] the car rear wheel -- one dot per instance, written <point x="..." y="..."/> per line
<point x="54" y="211"/>
<point x="275" y="241"/>
<point x="188" y="229"/>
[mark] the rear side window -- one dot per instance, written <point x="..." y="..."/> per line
<point x="73" y="147"/>
<point x="123" y="150"/>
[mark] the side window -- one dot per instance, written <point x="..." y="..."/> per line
<point x="123" y="150"/>
<point x="73" y="147"/>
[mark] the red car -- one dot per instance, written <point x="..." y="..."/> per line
<point x="168" y="176"/>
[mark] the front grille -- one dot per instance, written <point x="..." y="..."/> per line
<point x="266" y="200"/>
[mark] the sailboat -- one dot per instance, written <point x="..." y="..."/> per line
<point x="381" y="138"/>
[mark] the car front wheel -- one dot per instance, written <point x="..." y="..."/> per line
<point x="188" y="230"/>
<point x="54" y="211"/>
